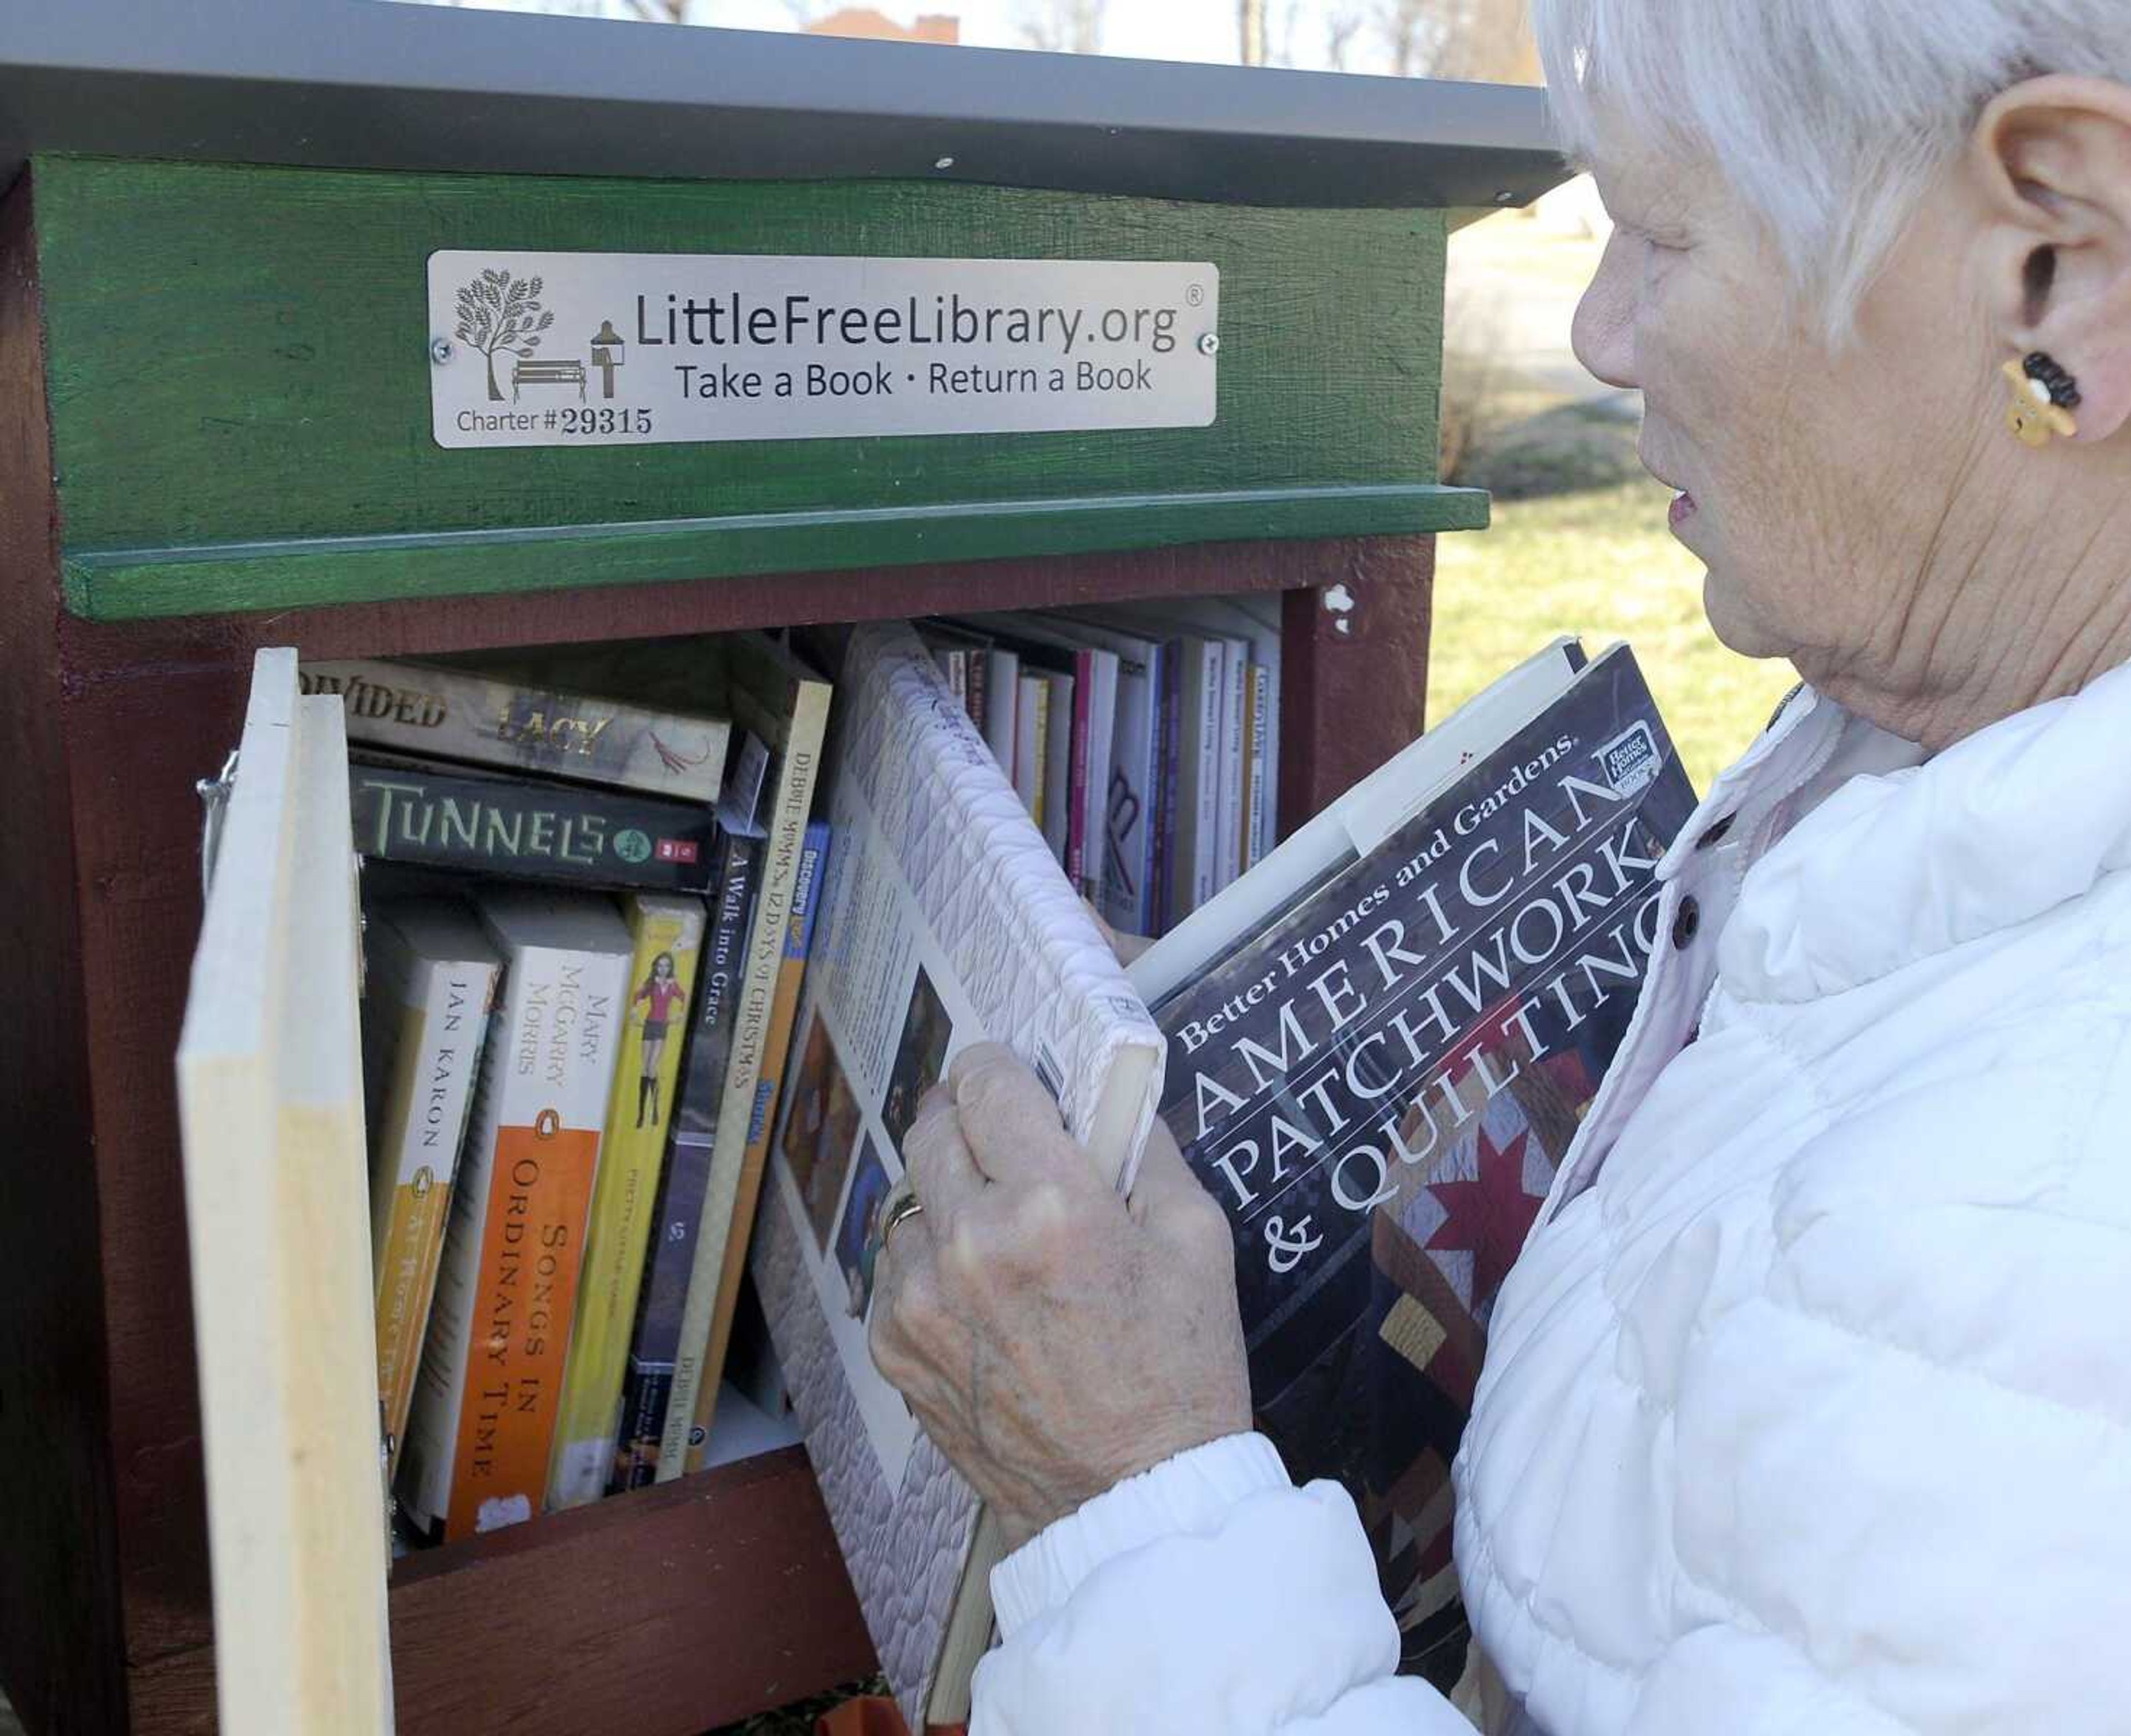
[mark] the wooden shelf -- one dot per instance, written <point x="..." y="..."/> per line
<point x="691" y="1604"/>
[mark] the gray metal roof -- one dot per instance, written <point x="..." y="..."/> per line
<point x="371" y="83"/>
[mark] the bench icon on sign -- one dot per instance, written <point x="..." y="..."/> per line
<point x="547" y="373"/>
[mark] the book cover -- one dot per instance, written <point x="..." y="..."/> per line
<point x="1379" y="1086"/>
<point x="784" y="1007"/>
<point x="785" y="705"/>
<point x="677" y="1214"/>
<point x="483" y="1424"/>
<point x="558" y="715"/>
<point x="945" y="920"/>
<point x="668" y="935"/>
<point x="428" y="988"/>
<point x="522" y="828"/>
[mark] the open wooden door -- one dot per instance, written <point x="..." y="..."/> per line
<point x="270" y="1100"/>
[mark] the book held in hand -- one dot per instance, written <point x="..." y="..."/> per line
<point x="945" y="920"/>
<point x="1381" y="1044"/>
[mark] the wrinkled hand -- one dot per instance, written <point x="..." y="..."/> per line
<point x="1052" y="1338"/>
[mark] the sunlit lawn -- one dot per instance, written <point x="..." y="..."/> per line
<point x="1598" y="563"/>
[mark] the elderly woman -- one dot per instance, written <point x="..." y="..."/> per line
<point x="1807" y="1408"/>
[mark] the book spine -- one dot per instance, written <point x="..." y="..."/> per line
<point x="1002" y="725"/>
<point x="1258" y="839"/>
<point x="797" y="770"/>
<point x="1076" y="775"/>
<point x="1235" y="746"/>
<point x="678" y="1217"/>
<point x="521" y="829"/>
<point x="792" y="970"/>
<point x="442" y="1023"/>
<point x="977" y="700"/>
<point x="668" y="934"/>
<point x="1033" y="700"/>
<point x="1169" y="719"/>
<point x="1127" y="902"/>
<point x="484" y="1422"/>
<point x="485" y="720"/>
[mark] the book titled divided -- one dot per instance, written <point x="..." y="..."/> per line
<point x="1381" y="1044"/>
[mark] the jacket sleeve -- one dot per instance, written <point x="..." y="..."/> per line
<point x="1207" y="1594"/>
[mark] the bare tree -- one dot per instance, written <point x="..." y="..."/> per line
<point x="1484" y="39"/>
<point x="1064" y="27"/>
<point x="1341" y="25"/>
<point x="1251" y="31"/>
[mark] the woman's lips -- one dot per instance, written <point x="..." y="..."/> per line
<point x="1682" y="509"/>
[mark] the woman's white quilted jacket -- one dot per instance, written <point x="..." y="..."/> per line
<point x="1807" y="1408"/>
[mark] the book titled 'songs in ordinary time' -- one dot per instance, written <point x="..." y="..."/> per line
<point x="1381" y="1043"/>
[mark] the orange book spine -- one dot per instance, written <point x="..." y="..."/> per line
<point x="527" y="1288"/>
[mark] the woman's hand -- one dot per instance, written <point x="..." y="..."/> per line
<point x="1052" y="1338"/>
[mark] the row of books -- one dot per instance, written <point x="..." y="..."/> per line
<point x="586" y="919"/>
<point x="590" y="885"/>
<point x="1143" y="739"/>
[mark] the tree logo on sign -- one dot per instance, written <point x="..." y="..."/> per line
<point x="496" y="312"/>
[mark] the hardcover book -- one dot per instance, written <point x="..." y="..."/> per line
<point x="560" y="714"/>
<point x="945" y="920"/>
<point x="483" y="1427"/>
<point x="677" y="1214"/>
<point x="429" y="987"/>
<point x="668" y="932"/>
<point x="1380" y="1046"/>
<point x="784" y="704"/>
<point x="522" y="828"/>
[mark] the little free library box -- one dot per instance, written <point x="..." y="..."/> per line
<point x="377" y="329"/>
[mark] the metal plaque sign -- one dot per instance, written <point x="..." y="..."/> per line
<point x="597" y="349"/>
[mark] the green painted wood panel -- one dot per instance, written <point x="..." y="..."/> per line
<point x="240" y="391"/>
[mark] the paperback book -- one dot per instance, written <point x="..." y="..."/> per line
<point x="483" y="1427"/>
<point x="1381" y="1044"/>
<point x="429" y="987"/>
<point x="668" y="934"/>
<point x="523" y="828"/>
<point x="783" y="703"/>
<point x="547" y="713"/>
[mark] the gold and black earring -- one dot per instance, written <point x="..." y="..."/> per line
<point x="2044" y="396"/>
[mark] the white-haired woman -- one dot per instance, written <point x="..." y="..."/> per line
<point x="1807" y="1408"/>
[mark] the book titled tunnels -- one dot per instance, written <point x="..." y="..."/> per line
<point x="523" y="828"/>
<point x="1379" y="1053"/>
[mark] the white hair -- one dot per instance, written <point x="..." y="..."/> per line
<point x="1829" y="119"/>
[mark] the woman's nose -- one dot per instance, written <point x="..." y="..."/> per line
<point x="1603" y="333"/>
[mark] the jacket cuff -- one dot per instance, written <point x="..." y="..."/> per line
<point x="1188" y="1495"/>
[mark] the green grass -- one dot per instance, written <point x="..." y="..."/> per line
<point x="1598" y="563"/>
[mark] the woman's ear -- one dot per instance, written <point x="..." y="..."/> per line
<point x="2051" y="159"/>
